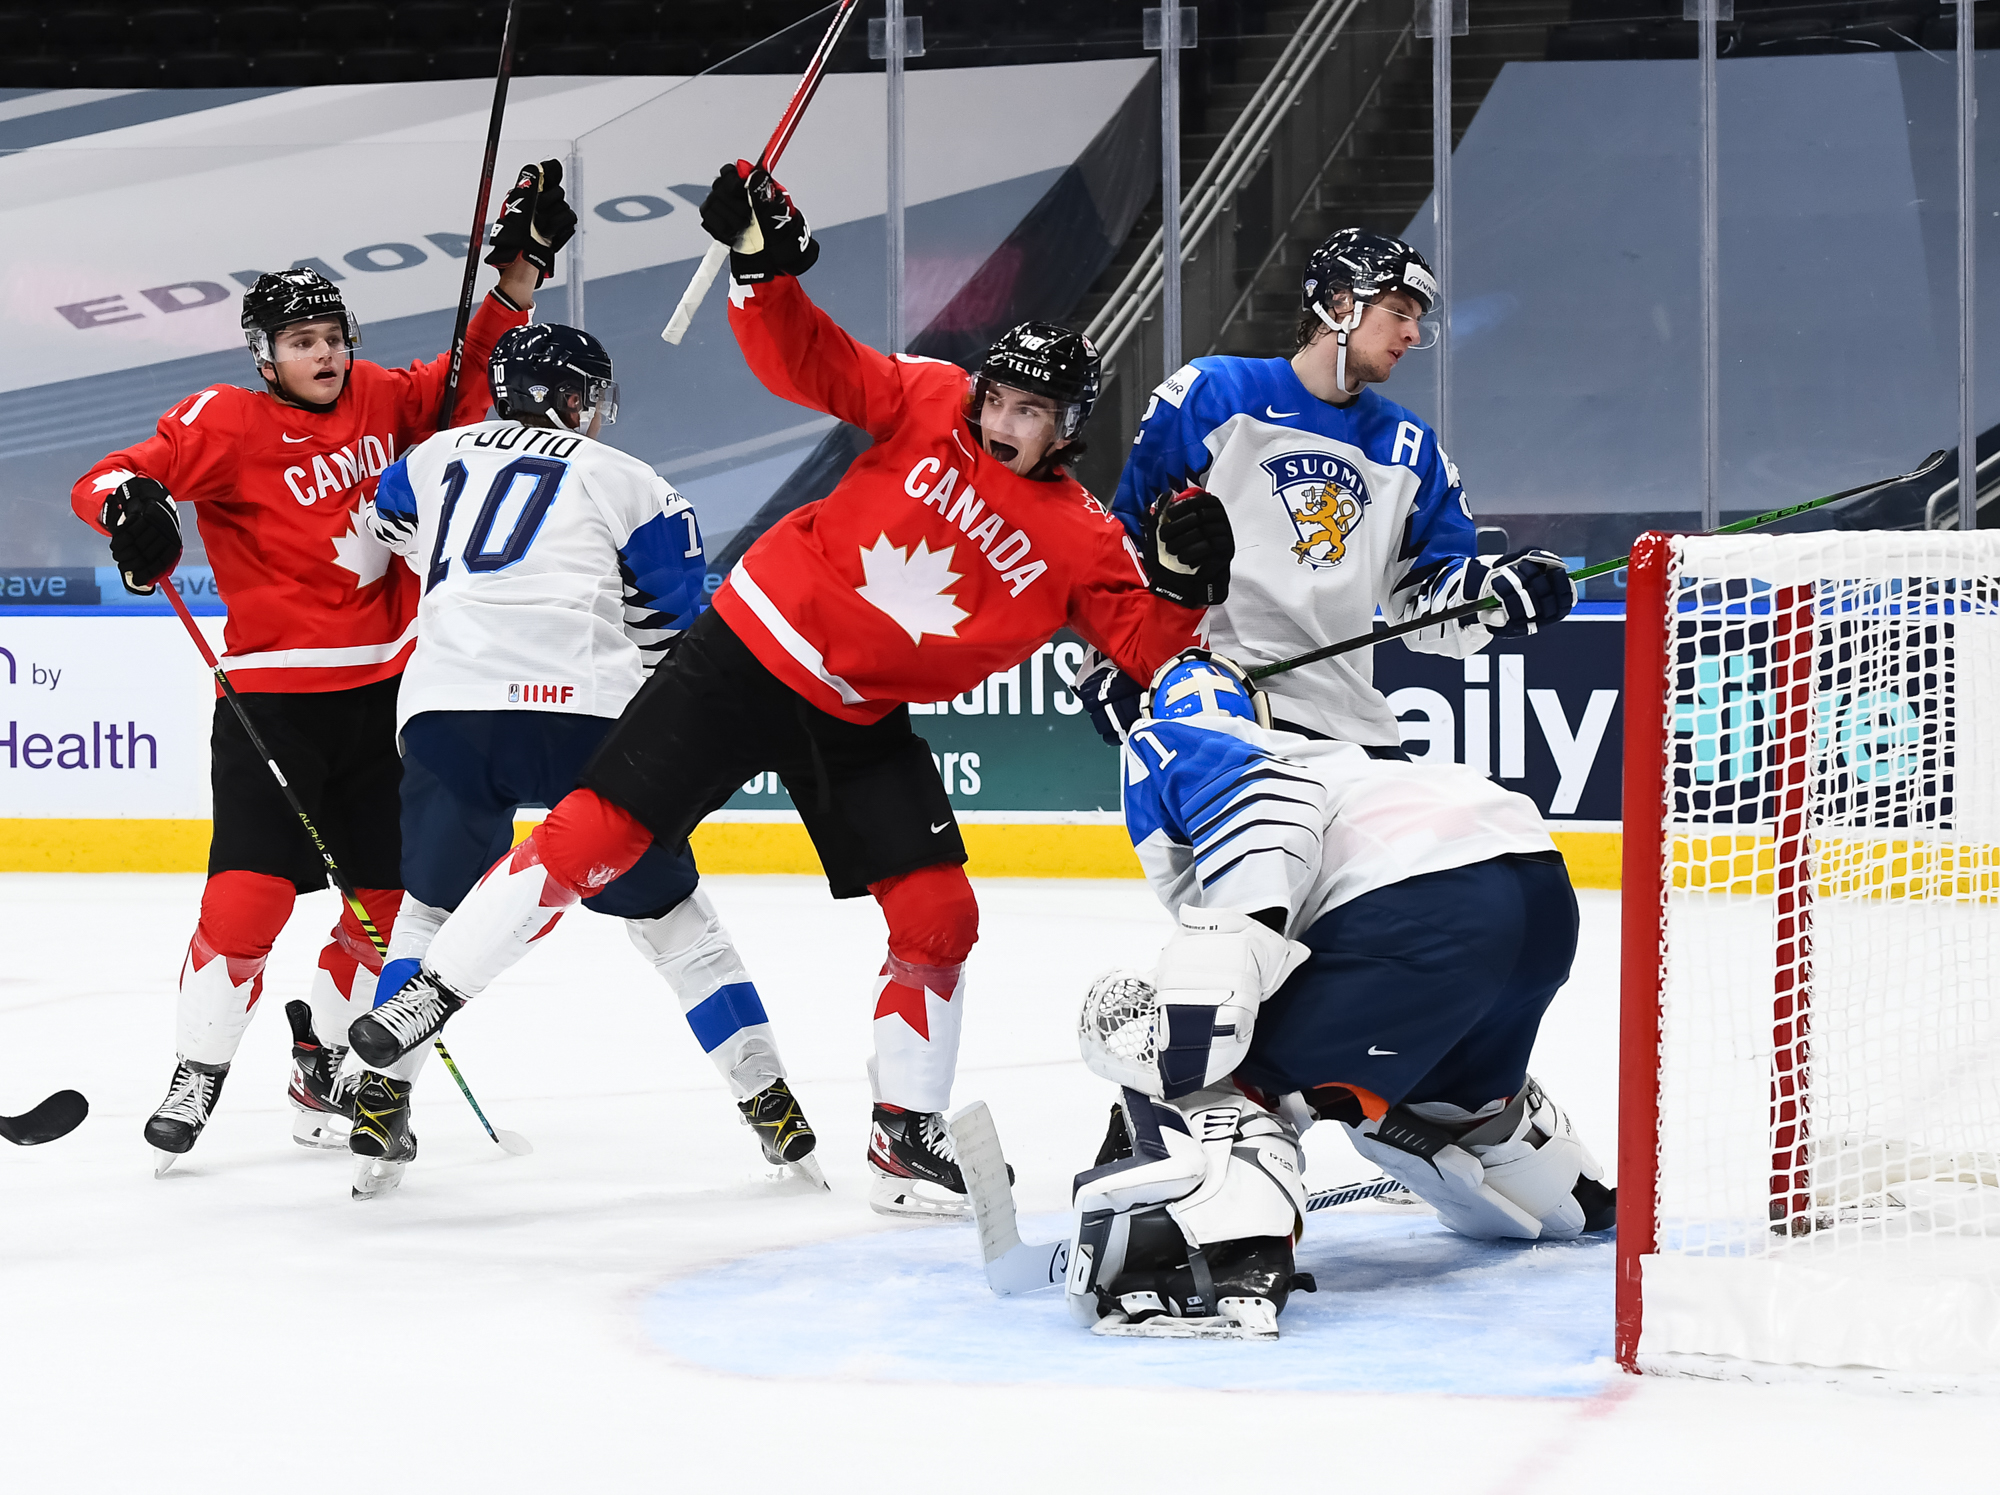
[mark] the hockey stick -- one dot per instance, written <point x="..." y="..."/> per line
<point x="55" y="1117"/>
<point x="1467" y="609"/>
<point x="1011" y="1267"/>
<point x="478" y="238"/>
<point x="1368" y="1188"/>
<point x="788" y="124"/>
<point x="512" y="1142"/>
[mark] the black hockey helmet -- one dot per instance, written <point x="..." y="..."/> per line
<point x="1370" y="265"/>
<point x="534" y="367"/>
<point x="1043" y="358"/>
<point x="283" y="297"/>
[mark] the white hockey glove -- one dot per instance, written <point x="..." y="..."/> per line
<point x="1511" y="1176"/>
<point x="1533" y="587"/>
<point x="1189" y="1023"/>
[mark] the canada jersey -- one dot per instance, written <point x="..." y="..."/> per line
<point x="931" y="565"/>
<point x="555" y="569"/>
<point x="1227" y="814"/>
<point x="314" y="600"/>
<point x="1336" y="510"/>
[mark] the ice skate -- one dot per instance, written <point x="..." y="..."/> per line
<point x="412" y="1017"/>
<point x="191" y="1098"/>
<point x="916" y="1167"/>
<point x="783" y="1132"/>
<point x="382" y="1142"/>
<point x="322" y="1096"/>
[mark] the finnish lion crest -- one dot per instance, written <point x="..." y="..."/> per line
<point x="1324" y="497"/>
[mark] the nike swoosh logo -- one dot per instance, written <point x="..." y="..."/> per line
<point x="1279" y="414"/>
<point x="939" y="826"/>
<point x="295" y="438"/>
<point x="1375" y="1053"/>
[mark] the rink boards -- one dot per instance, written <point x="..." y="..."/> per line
<point x="104" y="726"/>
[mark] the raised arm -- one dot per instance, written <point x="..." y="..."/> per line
<point x="1170" y="453"/>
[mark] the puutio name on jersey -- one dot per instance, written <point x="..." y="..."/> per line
<point x="539" y="695"/>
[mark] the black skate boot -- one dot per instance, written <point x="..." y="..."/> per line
<point x="916" y="1166"/>
<point x="190" y="1101"/>
<point x="382" y="1142"/>
<point x="320" y="1093"/>
<point x="411" y="1018"/>
<point x="782" y="1131"/>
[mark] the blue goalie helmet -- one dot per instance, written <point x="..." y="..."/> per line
<point x="1196" y="681"/>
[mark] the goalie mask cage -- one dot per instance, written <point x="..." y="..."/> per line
<point x="1809" y="1128"/>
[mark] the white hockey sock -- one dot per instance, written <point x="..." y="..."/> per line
<point x="692" y="951"/>
<point x="918" y="1011"/>
<point x="217" y="996"/>
<point x="417" y="925"/>
<point x="515" y="904"/>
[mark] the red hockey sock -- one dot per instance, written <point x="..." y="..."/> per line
<point x="587" y="842"/>
<point x="933" y="916"/>
<point x="348" y="947"/>
<point x="242" y="914"/>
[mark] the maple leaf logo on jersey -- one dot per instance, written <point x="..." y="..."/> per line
<point x="360" y="552"/>
<point x="910" y="587"/>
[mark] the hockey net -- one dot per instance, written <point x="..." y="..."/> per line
<point x="1809" y="1160"/>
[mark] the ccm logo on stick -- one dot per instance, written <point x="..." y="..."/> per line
<point x="540" y="695"/>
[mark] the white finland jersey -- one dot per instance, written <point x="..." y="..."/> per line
<point x="555" y="569"/>
<point x="1227" y="814"/>
<point x="1337" y="509"/>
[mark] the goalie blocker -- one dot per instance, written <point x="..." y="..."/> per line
<point x="1361" y="940"/>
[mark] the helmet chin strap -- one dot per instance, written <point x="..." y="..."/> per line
<point x="1340" y="330"/>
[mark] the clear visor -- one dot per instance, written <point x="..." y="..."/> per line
<point x="308" y="342"/>
<point x="600" y="398"/>
<point x="1427" y="325"/>
<point x="1011" y="412"/>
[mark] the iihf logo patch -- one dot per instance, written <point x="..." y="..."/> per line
<point x="1324" y="497"/>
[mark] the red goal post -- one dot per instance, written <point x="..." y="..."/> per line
<point x="1809" y="1070"/>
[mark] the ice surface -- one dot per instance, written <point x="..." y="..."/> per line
<point x="638" y="1306"/>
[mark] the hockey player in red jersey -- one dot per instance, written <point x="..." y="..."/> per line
<point x="952" y="548"/>
<point x="320" y="627"/>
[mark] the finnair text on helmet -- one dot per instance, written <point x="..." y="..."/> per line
<point x="1009" y="556"/>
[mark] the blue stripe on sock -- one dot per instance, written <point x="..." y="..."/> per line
<point x="725" y="1012"/>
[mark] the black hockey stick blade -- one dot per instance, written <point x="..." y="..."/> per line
<point x="55" y="1117"/>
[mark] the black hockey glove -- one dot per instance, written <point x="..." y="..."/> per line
<point x="145" y="532"/>
<point x="1114" y="700"/>
<point x="535" y="221"/>
<point x="1187" y="546"/>
<point x="766" y="234"/>
<point x="1533" y="587"/>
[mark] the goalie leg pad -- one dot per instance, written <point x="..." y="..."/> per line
<point x="1510" y="1175"/>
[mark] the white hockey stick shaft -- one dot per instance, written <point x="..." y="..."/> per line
<point x="691" y="298"/>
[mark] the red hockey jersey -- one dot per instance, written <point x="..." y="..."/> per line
<point x="931" y="565"/>
<point x="315" y="602"/>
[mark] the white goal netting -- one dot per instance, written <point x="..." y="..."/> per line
<point x="1828" y="1165"/>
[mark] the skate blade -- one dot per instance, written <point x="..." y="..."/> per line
<point x="162" y="1161"/>
<point x="321" y="1130"/>
<point x="374" y="1177"/>
<point x="808" y="1169"/>
<point x="1165" y="1326"/>
<point x="907" y="1199"/>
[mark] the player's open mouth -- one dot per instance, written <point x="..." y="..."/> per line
<point x="1002" y="450"/>
<point x="324" y="376"/>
